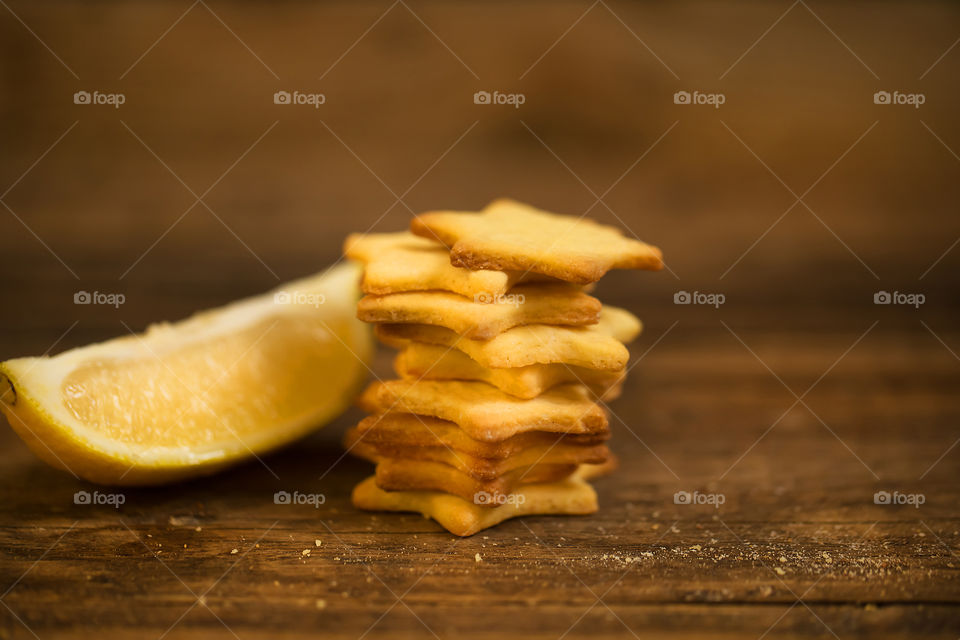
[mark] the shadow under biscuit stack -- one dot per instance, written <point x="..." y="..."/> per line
<point x="505" y="363"/>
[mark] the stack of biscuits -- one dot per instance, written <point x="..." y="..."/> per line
<point x="505" y="362"/>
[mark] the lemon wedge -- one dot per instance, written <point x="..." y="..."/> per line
<point x="189" y="398"/>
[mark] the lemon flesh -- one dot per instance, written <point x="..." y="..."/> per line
<point x="189" y="398"/>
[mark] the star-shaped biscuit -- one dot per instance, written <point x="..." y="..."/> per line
<point x="401" y="261"/>
<point x="375" y="445"/>
<point x="484" y="317"/>
<point x="464" y="518"/>
<point x="486" y="413"/>
<point x="394" y="430"/>
<point x="509" y="235"/>
<point x="421" y="360"/>
<point x="598" y="346"/>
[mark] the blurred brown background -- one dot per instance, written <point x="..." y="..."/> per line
<point x="105" y="199"/>
<point x="287" y="182"/>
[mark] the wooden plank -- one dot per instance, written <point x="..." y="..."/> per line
<point x="798" y="521"/>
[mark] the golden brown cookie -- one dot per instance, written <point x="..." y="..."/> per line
<point x="559" y="451"/>
<point x="396" y="429"/>
<point x="596" y="346"/>
<point x="485" y="315"/>
<point x="396" y="474"/>
<point x="401" y="261"/>
<point x="509" y="235"/>
<point x="486" y="413"/>
<point x="421" y="360"/>
<point x="460" y="517"/>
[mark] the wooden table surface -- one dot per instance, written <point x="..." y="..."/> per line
<point x="793" y="403"/>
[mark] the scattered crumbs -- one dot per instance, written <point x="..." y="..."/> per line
<point x="624" y="559"/>
<point x="321" y="604"/>
<point x="235" y="552"/>
<point x="780" y="572"/>
<point x="696" y="547"/>
<point x="184" y="545"/>
<point x="477" y="558"/>
<point x="276" y="583"/>
<point x="305" y="552"/>
<point x="198" y="529"/>
<point x="655" y="527"/>
<point x="674" y="529"/>
<point x="318" y="542"/>
<point x="766" y="591"/>
<point x="783" y="558"/>
<point x="149" y="535"/>
<point x="870" y="606"/>
<point x="337" y="559"/>
<point x="257" y="545"/>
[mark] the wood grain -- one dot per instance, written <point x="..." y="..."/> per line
<point x="798" y="549"/>
<point x="798" y="522"/>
